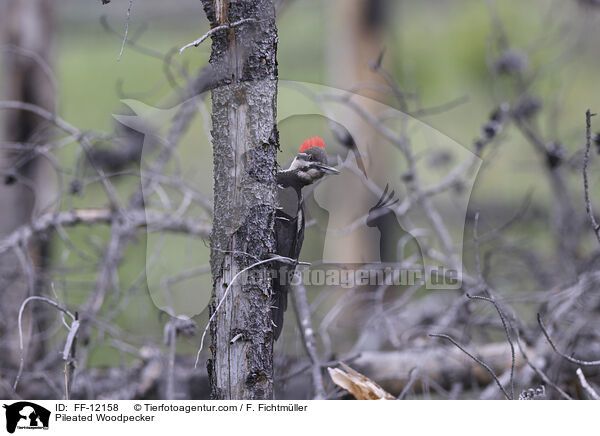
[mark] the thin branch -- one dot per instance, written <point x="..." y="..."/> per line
<point x="476" y="242"/>
<point x="563" y="355"/>
<point x="214" y="30"/>
<point x="69" y="355"/>
<point x="130" y="41"/>
<point x="79" y="135"/>
<point x="140" y="218"/>
<point x="171" y="341"/>
<point x="412" y="377"/>
<point x="584" y="383"/>
<point x="20" y="319"/>
<point x="307" y="334"/>
<point x="541" y="373"/>
<point x="507" y="328"/>
<point x="490" y="299"/>
<point x="586" y="186"/>
<point x="126" y="29"/>
<point x="479" y="361"/>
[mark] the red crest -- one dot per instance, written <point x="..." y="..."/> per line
<point x="312" y="142"/>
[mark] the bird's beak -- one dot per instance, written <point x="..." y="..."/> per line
<point x="328" y="169"/>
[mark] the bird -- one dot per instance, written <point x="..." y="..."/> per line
<point x="309" y="166"/>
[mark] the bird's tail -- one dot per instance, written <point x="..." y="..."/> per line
<point x="278" y="306"/>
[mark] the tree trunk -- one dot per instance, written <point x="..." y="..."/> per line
<point x="355" y="40"/>
<point x="26" y="32"/>
<point x="245" y="140"/>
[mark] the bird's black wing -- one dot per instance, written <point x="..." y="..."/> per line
<point x="289" y="233"/>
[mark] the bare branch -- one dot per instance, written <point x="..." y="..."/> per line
<point x="541" y="373"/>
<point x="412" y="378"/>
<point x="507" y="327"/>
<point x="563" y="355"/>
<point x="138" y="218"/>
<point x="214" y="30"/>
<point x="479" y="361"/>
<point x="586" y="385"/>
<point x="80" y="136"/>
<point x="21" y="347"/>
<point x="586" y="186"/>
<point x="307" y="333"/>
<point x="126" y="29"/>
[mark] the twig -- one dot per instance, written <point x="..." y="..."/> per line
<point x="302" y="368"/>
<point x="479" y="361"/>
<point x="507" y="327"/>
<point x="490" y="299"/>
<point x="563" y="355"/>
<point x="541" y="373"/>
<point x="69" y="355"/>
<point x="171" y="340"/>
<point x="106" y="277"/>
<point x="138" y="218"/>
<point x="214" y="30"/>
<point x="584" y="383"/>
<point x="586" y="186"/>
<point x="130" y="42"/>
<point x="126" y="29"/>
<point x="476" y="242"/>
<point x="73" y="131"/>
<point x="308" y="338"/>
<point x="412" y="377"/>
<point x="20" y="319"/>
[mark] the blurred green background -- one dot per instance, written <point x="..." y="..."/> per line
<point x="436" y="48"/>
<point x="439" y="49"/>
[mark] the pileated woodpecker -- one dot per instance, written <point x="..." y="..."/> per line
<point x="309" y="165"/>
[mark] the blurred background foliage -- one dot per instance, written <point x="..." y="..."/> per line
<point x="440" y="50"/>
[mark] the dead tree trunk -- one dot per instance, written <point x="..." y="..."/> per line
<point x="245" y="140"/>
<point x="26" y="31"/>
<point x="355" y="41"/>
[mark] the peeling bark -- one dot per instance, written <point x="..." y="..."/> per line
<point x="245" y="141"/>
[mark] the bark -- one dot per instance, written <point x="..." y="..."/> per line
<point x="26" y="31"/>
<point x="245" y="140"/>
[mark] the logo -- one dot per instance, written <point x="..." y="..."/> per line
<point x="375" y="223"/>
<point x="26" y="415"/>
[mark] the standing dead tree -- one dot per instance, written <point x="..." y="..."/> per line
<point x="26" y="29"/>
<point x="245" y="141"/>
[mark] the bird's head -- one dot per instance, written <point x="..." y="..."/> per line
<point x="310" y="164"/>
